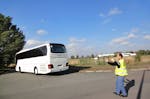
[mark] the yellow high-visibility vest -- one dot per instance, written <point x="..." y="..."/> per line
<point x="122" y="71"/>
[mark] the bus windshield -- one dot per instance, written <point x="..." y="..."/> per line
<point x="57" y="48"/>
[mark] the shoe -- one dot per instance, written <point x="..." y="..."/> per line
<point x="123" y="96"/>
<point x="115" y="93"/>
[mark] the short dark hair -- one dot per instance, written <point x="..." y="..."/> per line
<point x="120" y="54"/>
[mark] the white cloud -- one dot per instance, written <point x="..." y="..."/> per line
<point x="80" y="47"/>
<point x="135" y="39"/>
<point x="114" y="11"/>
<point x="101" y="15"/>
<point x="31" y="43"/>
<point x="125" y="40"/>
<point x="74" y="40"/>
<point x="106" y="21"/>
<point x="120" y="41"/>
<point x="41" y="32"/>
<point x="42" y="20"/>
<point x="23" y="27"/>
<point x="134" y="30"/>
<point x="125" y="43"/>
<point x="131" y="35"/>
<point x="147" y="37"/>
<point x="111" y="12"/>
<point x="107" y="15"/>
<point x="113" y="29"/>
<point x="75" y="46"/>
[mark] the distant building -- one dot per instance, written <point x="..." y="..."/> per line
<point x="105" y="55"/>
<point x="129" y="54"/>
<point x="124" y="54"/>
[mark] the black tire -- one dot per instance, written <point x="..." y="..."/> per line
<point x="35" y="71"/>
<point x="20" y="69"/>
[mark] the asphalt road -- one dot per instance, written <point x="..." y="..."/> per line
<point x="72" y="86"/>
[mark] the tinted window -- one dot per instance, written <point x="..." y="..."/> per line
<point x="41" y="51"/>
<point x="57" y="48"/>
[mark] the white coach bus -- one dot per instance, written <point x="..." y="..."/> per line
<point x="43" y="59"/>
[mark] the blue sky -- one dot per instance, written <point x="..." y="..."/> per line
<point x="84" y="26"/>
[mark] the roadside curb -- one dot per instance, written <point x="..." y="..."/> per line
<point x="90" y="71"/>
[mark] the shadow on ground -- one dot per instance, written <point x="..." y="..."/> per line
<point x="72" y="69"/>
<point x="7" y="70"/>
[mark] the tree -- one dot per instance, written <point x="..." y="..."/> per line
<point x="77" y="56"/>
<point x="72" y="57"/>
<point x="82" y="56"/>
<point x="92" y="55"/>
<point x="11" y="40"/>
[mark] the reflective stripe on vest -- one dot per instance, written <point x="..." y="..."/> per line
<point x="122" y="71"/>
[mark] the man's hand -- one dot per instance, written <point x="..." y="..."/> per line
<point x="112" y="60"/>
<point x="109" y="60"/>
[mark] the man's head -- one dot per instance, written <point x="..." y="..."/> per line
<point x="119" y="56"/>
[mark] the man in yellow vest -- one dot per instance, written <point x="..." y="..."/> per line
<point x="120" y="72"/>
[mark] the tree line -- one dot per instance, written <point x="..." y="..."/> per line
<point x="143" y="52"/>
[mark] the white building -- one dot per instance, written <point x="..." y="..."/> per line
<point x="105" y="55"/>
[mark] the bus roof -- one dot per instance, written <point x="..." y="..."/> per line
<point x="24" y="50"/>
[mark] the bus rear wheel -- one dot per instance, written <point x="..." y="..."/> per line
<point x="35" y="71"/>
<point x="20" y="69"/>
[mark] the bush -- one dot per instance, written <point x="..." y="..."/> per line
<point x="138" y="57"/>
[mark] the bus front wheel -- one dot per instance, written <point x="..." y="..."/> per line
<point x="35" y="71"/>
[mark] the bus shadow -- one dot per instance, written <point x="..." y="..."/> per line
<point x="72" y="69"/>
